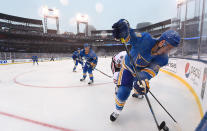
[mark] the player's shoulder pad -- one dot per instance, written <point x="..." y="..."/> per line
<point x="146" y="35"/>
<point x="82" y="51"/>
<point x="92" y="53"/>
<point x="161" y="60"/>
<point x="138" y="34"/>
<point x="147" y="41"/>
<point x="123" y="52"/>
<point x="94" y="56"/>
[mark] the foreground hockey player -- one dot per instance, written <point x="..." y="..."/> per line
<point x="116" y="67"/>
<point x="77" y="59"/>
<point x="148" y="54"/>
<point x="90" y="64"/>
<point x="35" y="59"/>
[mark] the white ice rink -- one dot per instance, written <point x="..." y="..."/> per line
<point x="50" y="97"/>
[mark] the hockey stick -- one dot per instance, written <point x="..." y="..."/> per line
<point x="151" y="94"/>
<point x="162" y="125"/>
<point x="103" y="73"/>
<point x="100" y="71"/>
<point x="162" y="106"/>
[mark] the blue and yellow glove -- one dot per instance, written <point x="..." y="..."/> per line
<point x="90" y="65"/>
<point x="142" y="88"/>
<point x="93" y="65"/>
<point x="121" y="30"/>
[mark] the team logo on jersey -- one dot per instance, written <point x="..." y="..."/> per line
<point x="138" y="34"/>
<point x="118" y="61"/>
<point x="187" y="70"/>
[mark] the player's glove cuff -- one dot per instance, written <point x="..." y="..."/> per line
<point x="143" y="87"/>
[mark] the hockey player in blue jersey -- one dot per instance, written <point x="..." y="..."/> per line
<point x="35" y="59"/>
<point x="77" y="59"/>
<point x="203" y="124"/>
<point x="148" y="54"/>
<point x="90" y="64"/>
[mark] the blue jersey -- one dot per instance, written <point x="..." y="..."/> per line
<point x="145" y="62"/>
<point x="76" y="56"/>
<point x="34" y="58"/>
<point x="90" y="57"/>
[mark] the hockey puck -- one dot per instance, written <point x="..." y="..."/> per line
<point x="162" y="125"/>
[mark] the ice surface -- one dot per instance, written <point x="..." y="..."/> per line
<point x="51" y="93"/>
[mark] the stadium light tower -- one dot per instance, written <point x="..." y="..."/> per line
<point x="179" y="5"/>
<point x="52" y="14"/>
<point x="82" y="19"/>
<point x="180" y="2"/>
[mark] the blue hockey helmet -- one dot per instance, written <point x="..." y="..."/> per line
<point x="171" y="36"/>
<point x="86" y="45"/>
<point x="79" y="49"/>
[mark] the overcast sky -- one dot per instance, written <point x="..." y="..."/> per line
<point x="102" y="13"/>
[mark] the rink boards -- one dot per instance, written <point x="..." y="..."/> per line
<point x="194" y="75"/>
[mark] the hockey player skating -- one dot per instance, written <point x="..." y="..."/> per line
<point x="116" y="65"/>
<point x="77" y="59"/>
<point x="35" y="59"/>
<point x="90" y="64"/>
<point x="52" y="59"/>
<point x="148" y="54"/>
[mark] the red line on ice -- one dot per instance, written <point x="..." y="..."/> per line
<point x="35" y="122"/>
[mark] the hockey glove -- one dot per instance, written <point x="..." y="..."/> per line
<point x="121" y="29"/>
<point x="88" y="64"/>
<point x="115" y="77"/>
<point x="142" y="88"/>
<point x="93" y="65"/>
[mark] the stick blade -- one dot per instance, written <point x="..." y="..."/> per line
<point x="162" y="125"/>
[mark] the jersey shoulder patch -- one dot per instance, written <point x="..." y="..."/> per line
<point x="138" y="34"/>
<point x="121" y="57"/>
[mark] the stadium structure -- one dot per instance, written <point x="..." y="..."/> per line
<point x="20" y="35"/>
